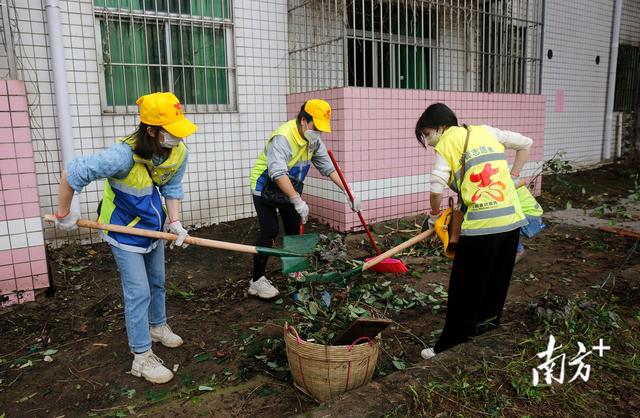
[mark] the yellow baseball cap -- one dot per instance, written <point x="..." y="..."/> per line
<point x="320" y="111"/>
<point x="164" y="109"/>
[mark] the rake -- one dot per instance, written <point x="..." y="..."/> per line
<point x="342" y="277"/>
<point x="388" y="265"/>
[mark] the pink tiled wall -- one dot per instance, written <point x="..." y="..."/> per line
<point x="374" y="142"/>
<point x="23" y="265"/>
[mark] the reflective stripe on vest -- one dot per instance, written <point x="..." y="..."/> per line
<point x="135" y="200"/>
<point x="487" y="190"/>
<point x="298" y="164"/>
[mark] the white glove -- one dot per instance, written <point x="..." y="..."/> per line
<point x="175" y="227"/>
<point x="301" y="208"/>
<point x="355" y="205"/>
<point x="430" y="222"/>
<point x="67" y="222"/>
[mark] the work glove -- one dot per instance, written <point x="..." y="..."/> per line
<point x="301" y="207"/>
<point x="430" y="221"/>
<point x="354" y="204"/>
<point x="176" y="227"/>
<point x="67" y="222"/>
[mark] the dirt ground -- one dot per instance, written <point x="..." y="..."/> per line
<point x="233" y="362"/>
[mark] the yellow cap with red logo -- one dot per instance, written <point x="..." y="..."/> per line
<point x="164" y="109"/>
<point x="320" y="111"/>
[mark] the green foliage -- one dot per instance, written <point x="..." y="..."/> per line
<point x="174" y="290"/>
<point x="314" y="319"/>
<point x="557" y="166"/>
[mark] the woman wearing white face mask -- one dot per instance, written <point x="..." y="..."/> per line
<point x="139" y="169"/>
<point x="277" y="180"/>
<point x="486" y="251"/>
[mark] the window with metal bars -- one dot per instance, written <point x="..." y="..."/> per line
<point x="390" y="44"/>
<point x="456" y="45"/>
<point x="182" y="46"/>
<point x="627" y="79"/>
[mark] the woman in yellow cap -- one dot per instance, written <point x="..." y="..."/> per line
<point x="277" y="180"/>
<point x="139" y="169"/>
<point x="471" y="161"/>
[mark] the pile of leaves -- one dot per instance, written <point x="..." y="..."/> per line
<point x="330" y="254"/>
<point x="321" y="312"/>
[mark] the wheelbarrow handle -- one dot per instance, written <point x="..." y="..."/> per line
<point x="397" y="249"/>
<point x="202" y="242"/>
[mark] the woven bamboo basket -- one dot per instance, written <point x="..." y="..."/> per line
<point x="325" y="371"/>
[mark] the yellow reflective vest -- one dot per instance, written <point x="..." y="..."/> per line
<point x="529" y="204"/>
<point x="487" y="189"/>
<point x="135" y="200"/>
<point x="298" y="164"/>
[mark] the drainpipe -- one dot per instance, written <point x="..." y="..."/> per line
<point x="56" y="47"/>
<point x="8" y="39"/>
<point x="611" y="84"/>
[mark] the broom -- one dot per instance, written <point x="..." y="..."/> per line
<point x="388" y="265"/>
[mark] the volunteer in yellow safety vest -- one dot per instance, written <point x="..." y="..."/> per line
<point x="139" y="168"/>
<point x="533" y="211"/>
<point x="485" y="254"/>
<point x="277" y="179"/>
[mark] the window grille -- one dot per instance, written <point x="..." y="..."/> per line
<point x="183" y="46"/>
<point x="627" y="79"/>
<point x="457" y="45"/>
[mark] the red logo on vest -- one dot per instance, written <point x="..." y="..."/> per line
<point x="486" y="185"/>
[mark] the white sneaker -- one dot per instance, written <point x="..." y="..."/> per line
<point x="427" y="353"/>
<point x="262" y="288"/>
<point x="166" y="337"/>
<point x="149" y="366"/>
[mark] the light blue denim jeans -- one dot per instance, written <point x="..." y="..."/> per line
<point x="142" y="277"/>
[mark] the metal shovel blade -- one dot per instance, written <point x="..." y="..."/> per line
<point x="301" y="244"/>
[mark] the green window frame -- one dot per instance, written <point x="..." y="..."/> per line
<point x="182" y="46"/>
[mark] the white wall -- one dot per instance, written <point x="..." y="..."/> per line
<point x="223" y="149"/>
<point x="577" y="33"/>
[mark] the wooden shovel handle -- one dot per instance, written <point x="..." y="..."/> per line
<point x="395" y="250"/>
<point x="202" y="242"/>
<point x="622" y="232"/>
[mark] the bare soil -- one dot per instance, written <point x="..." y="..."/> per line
<point x="224" y="330"/>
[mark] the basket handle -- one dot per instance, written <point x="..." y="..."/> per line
<point x="293" y="331"/>
<point x="358" y="340"/>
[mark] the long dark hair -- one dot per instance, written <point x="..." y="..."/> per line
<point x="146" y="145"/>
<point x="435" y="116"/>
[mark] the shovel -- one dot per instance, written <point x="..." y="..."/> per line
<point x="335" y="276"/>
<point x="293" y="256"/>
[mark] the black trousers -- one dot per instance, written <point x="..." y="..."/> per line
<point x="268" y="219"/>
<point x="478" y="286"/>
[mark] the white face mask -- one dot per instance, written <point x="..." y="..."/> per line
<point x="433" y="137"/>
<point x="170" y="141"/>
<point x="312" y="136"/>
